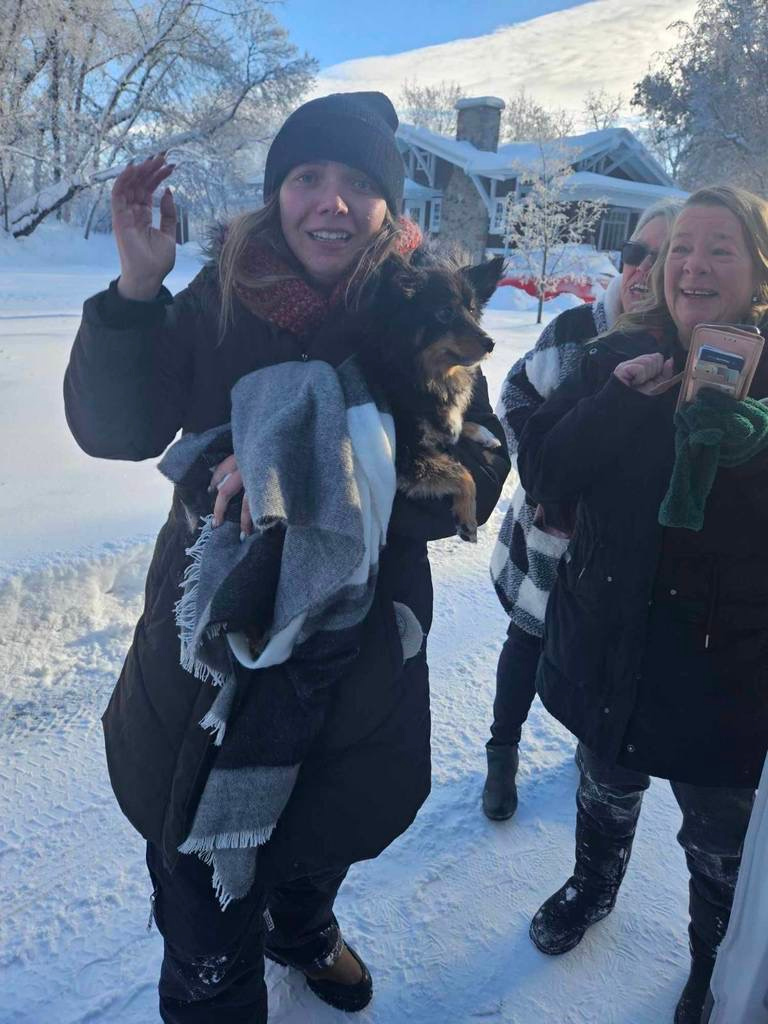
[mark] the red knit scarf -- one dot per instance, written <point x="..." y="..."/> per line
<point x="293" y="304"/>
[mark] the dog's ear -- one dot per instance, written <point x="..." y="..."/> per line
<point x="484" y="277"/>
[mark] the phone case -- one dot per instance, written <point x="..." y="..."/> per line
<point x="721" y="356"/>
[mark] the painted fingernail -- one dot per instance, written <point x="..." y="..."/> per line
<point x="243" y="535"/>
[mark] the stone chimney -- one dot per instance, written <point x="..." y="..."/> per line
<point x="478" y="121"/>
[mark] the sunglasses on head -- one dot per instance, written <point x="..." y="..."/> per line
<point x="633" y="253"/>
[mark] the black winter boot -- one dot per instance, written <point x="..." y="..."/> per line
<point x="560" y="923"/>
<point x="691" y="1005"/>
<point x="500" y="791"/>
<point x="589" y="894"/>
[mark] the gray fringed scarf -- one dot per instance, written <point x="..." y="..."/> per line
<point x="317" y="459"/>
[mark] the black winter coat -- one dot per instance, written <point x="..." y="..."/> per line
<point x="138" y="373"/>
<point x="656" y="640"/>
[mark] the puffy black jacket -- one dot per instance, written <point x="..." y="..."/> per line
<point x="138" y="373"/>
<point x="656" y="640"/>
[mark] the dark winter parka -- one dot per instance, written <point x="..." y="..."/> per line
<point x="656" y="640"/>
<point x="138" y="373"/>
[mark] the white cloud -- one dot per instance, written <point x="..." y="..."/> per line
<point x="558" y="57"/>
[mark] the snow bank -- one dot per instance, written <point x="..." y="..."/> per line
<point x="576" y="260"/>
<point x="53" y="270"/>
<point x="62" y="247"/>
<point x="510" y="299"/>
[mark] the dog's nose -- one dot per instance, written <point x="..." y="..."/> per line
<point x="489" y="345"/>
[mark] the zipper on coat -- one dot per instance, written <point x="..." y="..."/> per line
<point x="714" y="596"/>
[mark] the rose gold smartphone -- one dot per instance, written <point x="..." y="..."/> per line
<point x="723" y="357"/>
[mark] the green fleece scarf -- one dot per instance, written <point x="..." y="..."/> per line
<point x="713" y="431"/>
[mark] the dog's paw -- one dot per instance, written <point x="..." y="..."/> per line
<point x="467" y="531"/>
<point x="481" y="435"/>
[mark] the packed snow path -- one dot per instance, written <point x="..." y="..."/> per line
<point x="441" y="917"/>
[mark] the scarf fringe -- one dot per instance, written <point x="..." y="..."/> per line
<point x="185" y="612"/>
<point x="206" y="846"/>
<point x="217" y="725"/>
<point x="224" y="897"/>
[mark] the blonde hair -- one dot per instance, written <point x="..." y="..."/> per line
<point x="666" y="208"/>
<point x="752" y="213"/>
<point x="262" y="227"/>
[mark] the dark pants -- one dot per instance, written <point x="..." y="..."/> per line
<point x="213" y="964"/>
<point x="715" y="821"/>
<point x="515" y="685"/>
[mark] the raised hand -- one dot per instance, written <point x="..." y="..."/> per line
<point x="147" y="254"/>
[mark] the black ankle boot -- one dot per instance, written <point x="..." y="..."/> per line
<point x="560" y="923"/>
<point x="691" y="1004"/>
<point x="500" y="791"/>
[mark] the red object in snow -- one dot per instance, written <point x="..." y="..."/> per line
<point x="581" y="287"/>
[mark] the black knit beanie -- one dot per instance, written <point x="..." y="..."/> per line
<point x="355" y="128"/>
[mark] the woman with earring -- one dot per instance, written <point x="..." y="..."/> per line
<point x="655" y="638"/>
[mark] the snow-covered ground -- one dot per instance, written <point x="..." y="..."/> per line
<point x="441" y="917"/>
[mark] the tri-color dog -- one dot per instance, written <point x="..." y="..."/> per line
<point x="423" y="349"/>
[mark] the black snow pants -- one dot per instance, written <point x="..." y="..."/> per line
<point x="213" y="963"/>
<point x="715" y="821"/>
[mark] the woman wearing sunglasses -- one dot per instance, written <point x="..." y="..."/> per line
<point x="525" y="560"/>
<point x="656" y="633"/>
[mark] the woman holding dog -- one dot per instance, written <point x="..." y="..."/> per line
<point x="655" y="638"/>
<point x="278" y="288"/>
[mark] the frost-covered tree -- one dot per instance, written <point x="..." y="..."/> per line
<point x="602" y="109"/>
<point x="711" y="92"/>
<point x="89" y="84"/>
<point x="524" y="119"/>
<point x="431" y="106"/>
<point x="542" y="222"/>
<point x="667" y="141"/>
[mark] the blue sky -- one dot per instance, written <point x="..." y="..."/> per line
<point x="338" y="30"/>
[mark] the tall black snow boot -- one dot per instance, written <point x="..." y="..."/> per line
<point x="500" y="791"/>
<point x="705" y="932"/>
<point x="691" y="1004"/>
<point x="589" y="894"/>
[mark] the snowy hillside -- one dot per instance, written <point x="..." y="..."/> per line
<point x="558" y="57"/>
<point x="441" y="917"/>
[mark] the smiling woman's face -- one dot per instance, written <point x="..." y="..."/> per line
<point x="634" y="279"/>
<point x="329" y="212"/>
<point x="709" y="277"/>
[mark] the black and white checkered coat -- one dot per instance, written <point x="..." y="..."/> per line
<point x="525" y="558"/>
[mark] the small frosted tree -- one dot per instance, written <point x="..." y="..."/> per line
<point x="542" y="222"/>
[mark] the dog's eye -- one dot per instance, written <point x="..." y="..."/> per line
<point x="444" y="315"/>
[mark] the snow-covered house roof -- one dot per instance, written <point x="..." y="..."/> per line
<point x="641" y="181"/>
<point x="413" y="190"/>
<point x="619" y="191"/>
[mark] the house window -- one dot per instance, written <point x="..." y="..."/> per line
<point x="499" y="219"/>
<point x="416" y="214"/>
<point x="614" y="229"/>
<point x="435" y="216"/>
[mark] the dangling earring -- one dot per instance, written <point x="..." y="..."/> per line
<point x="755" y="299"/>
